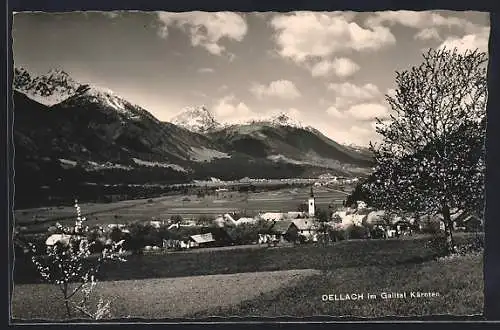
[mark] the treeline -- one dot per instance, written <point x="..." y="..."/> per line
<point x="238" y="167"/>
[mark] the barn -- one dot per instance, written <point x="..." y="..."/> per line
<point x="285" y="230"/>
<point x="202" y="240"/>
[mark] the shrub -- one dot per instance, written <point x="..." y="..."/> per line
<point x="357" y="232"/>
<point x="377" y="232"/>
<point x="176" y="219"/>
<point x="338" y="234"/>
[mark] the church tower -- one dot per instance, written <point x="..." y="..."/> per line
<point x="312" y="207"/>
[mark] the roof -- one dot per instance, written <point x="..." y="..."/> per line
<point x="203" y="238"/>
<point x="304" y="224"/>
<point x="295" y="215"/>
<point x="376" y="217"/>
<point x="473" y="217"/>
<point x="276" y="216"/>
<point x="281" y="227"/>
<point x="53" y="239"/>
<point x="245" y="220"/>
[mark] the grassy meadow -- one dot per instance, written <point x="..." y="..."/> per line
<point x="188" y="206"/>
<point x="272" y="282"/>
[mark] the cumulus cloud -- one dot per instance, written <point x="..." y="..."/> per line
<point x="348" y="94"/>
<point x="364" y="92"/>
<point x="418" y="20"/>
<point x="335" y="112"/>
<point x="468" y="42"/>
<point x="361" y="112"/>
<point x="205" y="29"/>
<point x="284" y="89"/>
<point x="367" y="111"/>
<point x="341" y="67"/>
<point x="229" y="109"/>
<point x="427" y="22"/>
<point x="206" y="70"/>
<point x="303" y="36"/>
<point x="357" y="133"/>
<point x="427" y="34"/>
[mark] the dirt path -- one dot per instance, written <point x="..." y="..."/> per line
<point x="160" y="298"/>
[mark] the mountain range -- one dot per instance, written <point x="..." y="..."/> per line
<point x="64" y="127"/>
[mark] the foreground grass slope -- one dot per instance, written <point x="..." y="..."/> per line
<point x="459" y="283"/>
<point x="173" y="285"/>
<point x="159" y="298"/>
<point x="345" y="254"/>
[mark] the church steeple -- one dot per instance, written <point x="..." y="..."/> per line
<point x="312" y="206"/>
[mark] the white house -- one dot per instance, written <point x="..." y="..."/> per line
<point x="201" y="239"/>
<point x="155" y="223"/>
<point x="57" y="238"/>
<point x="246" y="220"/>
<point x="348" y="218"/>
<point x="278" y="216"/>
<point x="306" y="227"/>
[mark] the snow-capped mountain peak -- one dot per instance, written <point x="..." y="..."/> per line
<point x="282" y="119"/>
<point x="51" y="88"/>
<point x="103" y="96"/>
<point x="197" y="119"/>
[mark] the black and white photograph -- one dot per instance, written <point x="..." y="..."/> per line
<point x="197" y="165"/>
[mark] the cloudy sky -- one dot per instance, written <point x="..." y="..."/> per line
<point x="328" y="70"/>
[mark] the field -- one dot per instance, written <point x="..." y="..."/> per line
<point x="189" y="207"/>
<point x="458" y="282"/>
<point x="162" y="297"/>
<point x="280" y="281"/>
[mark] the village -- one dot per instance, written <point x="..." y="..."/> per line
<point x="309" y="225"/>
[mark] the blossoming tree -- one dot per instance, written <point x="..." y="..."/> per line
<point x="431" y="157"/>
<point x="69" y="264"/>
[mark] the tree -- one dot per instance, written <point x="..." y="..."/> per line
<point x="323" y="217"/>
<point x="176" y="219"/>
<point x="70" y="266"/>
<point x="431" y="157"/>
<point x="303" y="207"/>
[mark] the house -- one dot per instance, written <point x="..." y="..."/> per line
<point x="112" y="226"/>
<point x="178" y="225"/>
<point x="285" y="230"/>
<point x="155" y="223"/>
<point x="348" y="219"/>
<point x="230" y="220"/>
<point x="246" y="220"/>
<point x="273" y="216"/>
<point x="202" y="240"/>
<point x="473" y="222"/>
<point x="58" y="238"/>
<point x="306" y="227"/>
<point x="171" y="243"/>
<point x="375" y="218"/>
<point x="402" y="228"/>
<point x="279" y="216"/>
